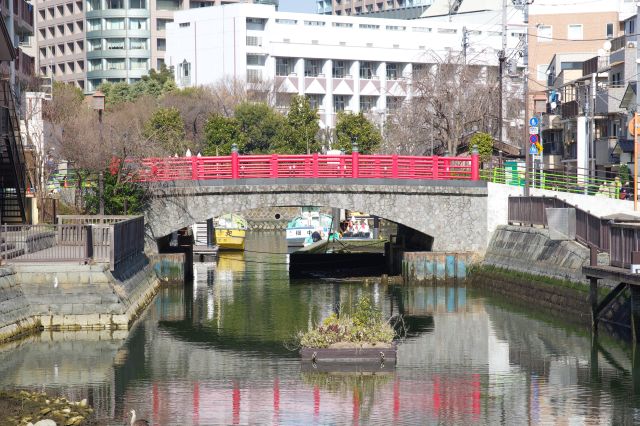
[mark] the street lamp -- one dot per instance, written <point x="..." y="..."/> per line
<point x="97" y="103"/>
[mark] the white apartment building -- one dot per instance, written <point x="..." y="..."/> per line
<point x="339" y="62"/>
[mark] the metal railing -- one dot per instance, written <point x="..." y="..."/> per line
<point x="112" y="240"/>
<point x="306" y="166"/>
<point x="617" y="239"/>
<point x="573" y="182"/>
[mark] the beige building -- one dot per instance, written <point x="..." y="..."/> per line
<point x="559" y="26"/>
<point x="363" y="7"/>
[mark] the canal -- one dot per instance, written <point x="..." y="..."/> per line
<point x="214" y="351"/>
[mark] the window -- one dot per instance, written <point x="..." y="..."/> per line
<point x="161" y="24"/>
<point x="422" y="29"/>
<point x="95" y="64"/>
<point x="115" y="24"/>
<point x="255" y="24"/>
<point x="94" y="5"/>
<point x="160" y="63"/>
<point x="340" y="69"/>
<point x="115" y="64"/>
<point x="286" y="21"/>
<point x="185" y="24"/>
<point x="167" y="4"/>
<point x="137" y="4"/>
<point x="254" y="75"/>
<point x="115" y="44"/>
<point x="339" y="103"/>
<point x="138" y="43"/>
<point x="255" y="60"/>
<point x="395" y="28"/>
<point x="609" y="30"/>
<point x="312" y="67"/>
<point x="138" y="24"/>
<point x="315" y="101"/>
<point x="393" y="71"/>
<point x="367" y="70"/>
<point x="284" y="66"/>
<point x="394" y="103"/>
<point x="94" y="24"/>
<point x="314" y="23"/>
<point x="447" y="30"/>
<point x="94" y="44"/>
<point x="574" y="32"/>
<point x="161" y="44"/>
<point x="138" y="64"/>
<point x="253" y="41"/>
<point x="632" y="27"/>
<point x="115" y="4"/>
<point x="342" y="25"/>
<point x="541" y="72"/>
<point x="367" y="103"/>
<point x="369" y="26"/>
<point x="545" y="33"/>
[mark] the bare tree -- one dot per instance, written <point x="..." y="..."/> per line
<point x="451" y="100"/>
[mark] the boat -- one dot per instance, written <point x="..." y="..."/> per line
<point x="301" y="228"/>
<point x="357" y="226"/>
<point x="230" y="231"/>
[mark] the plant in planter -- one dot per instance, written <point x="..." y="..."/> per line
<point x="364" y="329"/>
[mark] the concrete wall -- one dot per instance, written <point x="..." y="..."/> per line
<point x="425" y="267"/>
<point x="498" y="202"/>
<point x="530" y="250"/>
<point x="454" y="213"/>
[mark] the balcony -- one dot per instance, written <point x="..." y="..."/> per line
<point x="551" y="122"/>
<point x="595" y="64"/>
<point x="570" y="110"/>
<point x="24" y="63"/>
<point x="23" y="14"/>
<point x="608" y="102"/>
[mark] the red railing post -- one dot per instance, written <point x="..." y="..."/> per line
<point x="475" y="164"/>
<point x="394" y="166"/>
<point x="314" y="165"/>
<point x="435" y="173"/>
<point x="274" y="165"/>
<point x="194" y="168"/>
<point x="355" y="157"/>
<point x="235" y="162"/>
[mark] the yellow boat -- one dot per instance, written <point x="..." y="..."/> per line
<point x="230" y="232"/>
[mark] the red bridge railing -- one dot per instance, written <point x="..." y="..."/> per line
<point x="308" y="166"/>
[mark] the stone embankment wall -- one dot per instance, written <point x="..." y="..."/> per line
<point x="530" y="250"/>
<point x="15" y="316"/>
<point x="71" y="296"/>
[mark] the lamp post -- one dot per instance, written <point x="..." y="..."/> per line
<point x="98" y="104"/>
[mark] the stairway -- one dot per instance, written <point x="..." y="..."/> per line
<point x="13" y="179"/>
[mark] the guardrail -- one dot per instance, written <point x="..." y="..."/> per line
<point x="576" y="183"/>
<point x="617" y="239"/>
<point x="306" y="166"/>
<point x="114" y="241"/>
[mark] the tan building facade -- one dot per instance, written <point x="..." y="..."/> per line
<point x="556" y="29"/>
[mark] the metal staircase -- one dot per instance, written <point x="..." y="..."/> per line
<point x="13" y="177"/>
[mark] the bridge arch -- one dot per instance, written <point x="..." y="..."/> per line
<point x="452" y="212"/>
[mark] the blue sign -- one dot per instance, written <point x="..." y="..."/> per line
<point x="533" y="149"/>
<point x="533" y="138"/>
<point x="533" y="121"/>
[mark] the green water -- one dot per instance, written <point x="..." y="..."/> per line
<point x="213" y="352"/>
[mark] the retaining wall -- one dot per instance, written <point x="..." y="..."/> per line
<point x="67" y="296"/>
<point x="530" y="250"/>
<point x="427" y="266"/>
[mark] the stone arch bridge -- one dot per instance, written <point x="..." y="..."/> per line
<point x="452" y="212"/>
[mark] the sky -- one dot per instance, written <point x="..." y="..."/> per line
<point x="297" y="6"/>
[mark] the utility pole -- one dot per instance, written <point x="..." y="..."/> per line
<point x="592" y="146"/>
<point x="525" y="60"/>
<point x="502" y="59"/>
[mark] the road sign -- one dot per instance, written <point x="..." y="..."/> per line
<point x="533" y="149"/>
<point x="533" y="138"/>
<point x="533" y="121"/>
<point x="534" y="130"/>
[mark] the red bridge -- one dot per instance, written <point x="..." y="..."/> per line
<point x="276" y="166"/>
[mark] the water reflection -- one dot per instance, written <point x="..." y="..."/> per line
<point x="212" y="352"/>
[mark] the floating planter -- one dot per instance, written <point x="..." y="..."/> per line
<point x="363" y="338"/>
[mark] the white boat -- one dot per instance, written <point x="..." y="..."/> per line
<point x="301" y="227"/>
